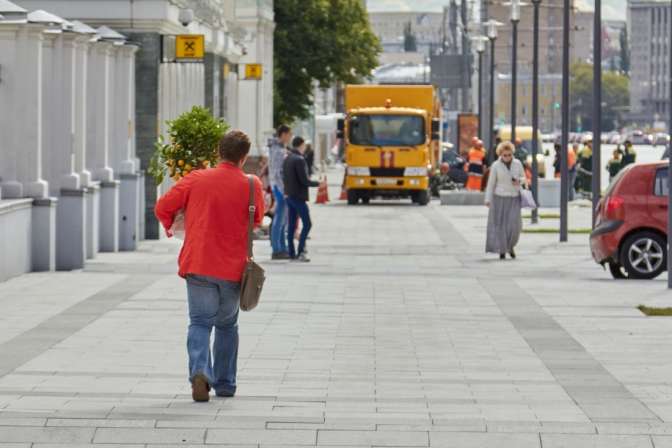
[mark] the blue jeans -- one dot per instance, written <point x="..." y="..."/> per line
<point x="213" y="303"/>
<point x="279" y="229"/>
<point x="299" y="209"/>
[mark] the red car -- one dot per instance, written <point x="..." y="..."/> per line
<point x="630" y="234"/>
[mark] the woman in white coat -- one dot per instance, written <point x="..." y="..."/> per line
<point x="502" y="196"/>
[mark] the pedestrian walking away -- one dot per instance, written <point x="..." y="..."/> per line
<point x="629" y="154"/>
<point x="297" y="181"/>
<point x="584" y="184"/>
<point x="502" y="196"/>
<point x="212" y="260"/>
<point x="277" y="154"/>
<point x="615" y="164"/>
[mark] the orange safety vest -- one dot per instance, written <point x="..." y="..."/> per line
<point x="475" y="168"/>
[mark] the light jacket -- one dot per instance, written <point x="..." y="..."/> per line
<point x="500" y="182"/>
<point x="276" y="157"/>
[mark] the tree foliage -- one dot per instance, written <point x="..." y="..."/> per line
<point x="615" y="97"/>
<point x="323" y="41"/>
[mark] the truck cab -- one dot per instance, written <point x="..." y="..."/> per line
<point x="391" y="142"/>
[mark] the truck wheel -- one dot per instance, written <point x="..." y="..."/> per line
<point x="644" y="255"/>
<point x="366" y="200"/>
<point x="422" y="197"/>
<point x="353" y="197"/>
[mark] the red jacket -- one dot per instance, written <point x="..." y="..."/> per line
<point x="215" y="204"/>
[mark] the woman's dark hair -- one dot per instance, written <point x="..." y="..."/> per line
<point x="234" y="146"/>
<point x="297" y="141"/>
<point x="282" y="129"/>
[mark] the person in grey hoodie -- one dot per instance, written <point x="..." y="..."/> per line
<point x="276" y="158"/>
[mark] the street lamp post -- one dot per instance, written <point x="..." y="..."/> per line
<point x="597" y="108"/>
<point x="492" y="36"/>
<point x="564" y="173"/>
<point x="535" y="109"/>
<point x="515" y="18"/>
<point x="480" y="48"/>
<point x="669" y="160"/>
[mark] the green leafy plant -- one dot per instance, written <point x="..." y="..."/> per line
<point x="193" y="139"/>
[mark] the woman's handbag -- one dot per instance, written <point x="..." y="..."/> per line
<point x="253" y="276"/>
<point x="527" y="199"/>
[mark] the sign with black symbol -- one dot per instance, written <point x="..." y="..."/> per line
<point x="253" y="71"/>
<point x="189" y="46"/>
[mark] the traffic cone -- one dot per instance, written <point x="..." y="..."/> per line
<point x="322" y="192"/>
<point x="344" y="191"/>
<point x="344" y="194"/>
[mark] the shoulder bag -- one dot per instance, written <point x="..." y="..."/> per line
<point x="254" y="275"/>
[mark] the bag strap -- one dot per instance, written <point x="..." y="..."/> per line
<point x="251" y="209"/>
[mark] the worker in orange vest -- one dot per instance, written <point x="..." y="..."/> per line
<point x="475" y="165"/>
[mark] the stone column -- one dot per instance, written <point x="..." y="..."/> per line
<point x="10" y="187"/>
<point x="129" y="193"/>
<point x="84" y="47"/>
<point x="29" y="130"/>
<point x="99" y="108"/>
<point x="71" y="212"/>
<point x="28" y="111"/>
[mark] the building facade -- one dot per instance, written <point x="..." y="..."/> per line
<point x="237" y="32"/>
<point x="649" y="24"/>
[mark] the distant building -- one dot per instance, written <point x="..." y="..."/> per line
<point x="389" y="27"/>
<point x="649" y="32"/>
<point x="550" y="36"/>
<point x="550" y="95"/>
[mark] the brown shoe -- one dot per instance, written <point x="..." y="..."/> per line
<point x="200" y="389"/>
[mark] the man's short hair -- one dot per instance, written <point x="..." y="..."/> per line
<point x="297" y="141"/>
<point x="282" y="129"/>
<point x="234" y="146"/>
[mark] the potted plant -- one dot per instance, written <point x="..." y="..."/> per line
<point x="192" y="143"/>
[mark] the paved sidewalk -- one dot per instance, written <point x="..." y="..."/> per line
<point x="401" y="332"/>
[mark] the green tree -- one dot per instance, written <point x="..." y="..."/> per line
<point x="323" y="41"/>
<point x="615" y="96"/>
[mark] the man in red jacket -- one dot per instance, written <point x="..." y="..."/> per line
<point x="212" y="259"/>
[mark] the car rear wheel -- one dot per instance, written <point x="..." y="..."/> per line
<point x="617" y="271"/>
<point x="643" y="255"/>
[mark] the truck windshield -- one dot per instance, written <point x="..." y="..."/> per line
<point x="387" y="130"/>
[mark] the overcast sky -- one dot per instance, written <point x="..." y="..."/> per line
<point x="611" y="9"/>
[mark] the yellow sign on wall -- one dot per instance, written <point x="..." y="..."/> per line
<point x="189" y="46"/>
<point x="253" y="71"/>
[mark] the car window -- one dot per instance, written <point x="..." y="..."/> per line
<point x="662" y="188"/>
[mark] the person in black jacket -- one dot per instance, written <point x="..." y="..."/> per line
<point x="297" y="181"/>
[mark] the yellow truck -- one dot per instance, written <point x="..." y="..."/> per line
<point x="391" y="136"/>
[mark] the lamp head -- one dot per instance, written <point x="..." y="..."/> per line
<point x="492" y="28"/>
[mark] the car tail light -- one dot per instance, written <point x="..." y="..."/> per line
<point x="614" y="207"/>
